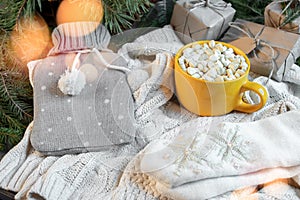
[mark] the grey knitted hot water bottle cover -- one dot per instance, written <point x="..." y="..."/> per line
<point x="100" y="117"/>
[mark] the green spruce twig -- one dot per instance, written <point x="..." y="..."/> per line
<point x="250" y="10"/>
<point x="15" y="97"/>
<point x="12" y="10"/>
<point x="120" y="15"/>
<point x="159" y="15"/>
<point x="291" y="10"/>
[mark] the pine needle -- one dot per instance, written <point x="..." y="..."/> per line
<point x="291" y="11"/>
<point x="15" y="97"/>
<point x="159" y="15"/>
<point x="250" y="10"/>
<point x="120" y="15"/>
<point x="12" y="10"/>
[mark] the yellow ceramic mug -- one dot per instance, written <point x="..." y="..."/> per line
<point x="216" y="98"/>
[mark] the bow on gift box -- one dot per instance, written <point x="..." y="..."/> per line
<point x="255" y="45"/>
<point x="192" y="5"/>
<point x="202" y="3"/>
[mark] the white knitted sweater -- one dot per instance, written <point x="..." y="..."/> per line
<point x="113" y="174"/>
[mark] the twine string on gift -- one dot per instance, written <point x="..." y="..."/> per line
<point x="287" y="6"/>
<point x="192" y="5"/>
<point x="279" y="24"/>
<point x="259" y="43"/>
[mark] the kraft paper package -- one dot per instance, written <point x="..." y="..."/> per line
<point x="272" y="52"/>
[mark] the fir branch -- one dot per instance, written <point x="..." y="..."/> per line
<point x="286" y="7"/>
<point x="291" y="11"/>
<point x="9" y="13"/>
<point x="20" y="10"/>
<point x="298" y="61"/>
<point x="165" y="8"/>
<point x="290" y="18"/>
<point x="15" y="97"/>
<point x="159" y="15"/>
<point x="246" y="6"/>
<point x="120" y="15"/>
<point x="7" y="118"/>
<point x="15" y="106"/>
<point x="12" y="10"/>
<point x="9" y="137"/>
<point x="250" y="10"/>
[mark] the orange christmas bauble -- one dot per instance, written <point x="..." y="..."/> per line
<point x="30" y="40"/>
<point x="79" y="10"/>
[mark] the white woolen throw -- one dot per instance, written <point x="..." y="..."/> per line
<point x="230" y="157"/>
<point x="115" y="173"/>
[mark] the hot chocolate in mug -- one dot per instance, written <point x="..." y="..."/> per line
<point x="211" y="98"/>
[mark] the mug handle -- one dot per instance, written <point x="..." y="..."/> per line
<point x="258" y="89"/>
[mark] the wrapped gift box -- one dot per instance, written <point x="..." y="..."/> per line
<point x="201" y="20"/>
<point x="274" y="18"/>
<point x="271" y="51"/>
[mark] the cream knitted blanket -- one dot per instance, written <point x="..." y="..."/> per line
<point x="116" y="173"/>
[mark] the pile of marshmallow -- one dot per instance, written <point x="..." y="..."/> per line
<point x="212" y="62"/>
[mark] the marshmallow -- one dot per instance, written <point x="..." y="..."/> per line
<point x="213" y="62"/>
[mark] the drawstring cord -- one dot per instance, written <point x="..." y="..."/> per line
<point x="100" y="56"/>
<point x="124" y="69"/>
<point x="74" y="80"/>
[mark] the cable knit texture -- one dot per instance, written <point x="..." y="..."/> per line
<point x="223" y="157"/>
<point x="116" y="173"/>
<point x="77" y="36"/>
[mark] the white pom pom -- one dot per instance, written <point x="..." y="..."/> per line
<point x="72" y="82"/>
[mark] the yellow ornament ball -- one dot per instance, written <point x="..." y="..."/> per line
<point x="29" y="40"/>
<point x="79" y="11"/>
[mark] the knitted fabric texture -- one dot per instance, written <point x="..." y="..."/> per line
<point x="293" y="75"/>
<point x="115" y="173"/>
<point x="238" y="154"/>
<point x="101" y="116"/>
<point x="79" y="35"/>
